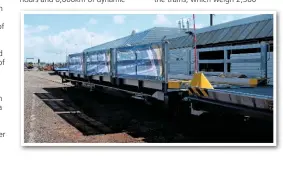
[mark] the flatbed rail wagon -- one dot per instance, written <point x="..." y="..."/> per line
<point x="143" y="72"/>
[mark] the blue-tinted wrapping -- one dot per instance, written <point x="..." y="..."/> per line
<point x="98" y="63"/>
<point x="75" y="63"/>
<point x="140" y="62"/>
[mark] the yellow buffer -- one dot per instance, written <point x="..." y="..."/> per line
<point x="253" y="82"/>
<point x="177" y="84"/>
<point x="200" y="81"/>
<point x="174" y="84"/>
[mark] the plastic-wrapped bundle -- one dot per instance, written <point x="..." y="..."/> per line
<point x="126" y="63"/>
<point x="98" y="63"/>
<point x="75" y="62"/>
<point x="141" y="62"/>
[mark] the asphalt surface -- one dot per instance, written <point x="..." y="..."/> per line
<point x="46" y="124"/>
<point x="56" y="113"/>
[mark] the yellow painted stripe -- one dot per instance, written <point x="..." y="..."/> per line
<point x="195" y="91"/>
<point x="204" y="92"/>
<point x="190" y="93"/>
<point x="198" y="90"/>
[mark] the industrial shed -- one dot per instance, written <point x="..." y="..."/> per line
<point x="247" y="30"/>
<point x="233" y="47"/>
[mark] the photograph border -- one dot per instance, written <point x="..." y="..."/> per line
<point x="275" y="83"/>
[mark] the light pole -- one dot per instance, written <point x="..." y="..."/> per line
<point x="91" y="38"/>
<point x="182" y="25"/>
<point x="211" y="19"/>
<point x="66" y="51"/>
<point x="195" y="45"/>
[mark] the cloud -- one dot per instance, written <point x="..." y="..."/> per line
<point x="119" y="19"/>
<point x="92" y="21"/>
<point x="54" y="47"/>
<point x="161" y="19"/>
<point x="29" y="29"/>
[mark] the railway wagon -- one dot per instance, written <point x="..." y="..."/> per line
<point x="236" y="60"/>
<point x="142" y="72"/>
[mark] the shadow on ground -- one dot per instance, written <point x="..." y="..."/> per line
<point x="94" y="113"/>
<point x="51" y="73"/>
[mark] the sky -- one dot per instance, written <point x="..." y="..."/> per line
<point x="49" y="37"/>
